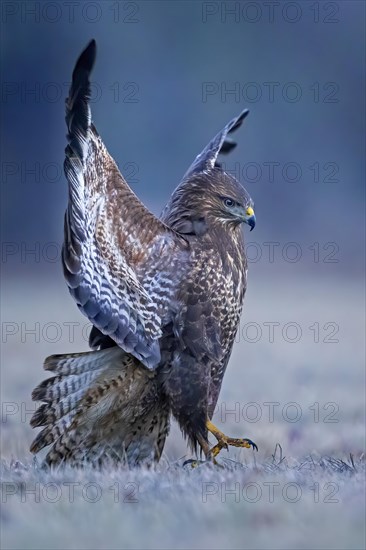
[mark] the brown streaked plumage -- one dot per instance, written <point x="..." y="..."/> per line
<point x="164" y="297"/>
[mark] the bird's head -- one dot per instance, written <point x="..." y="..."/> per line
<point x="210" y="199"/>
<point x="226" y="201"/>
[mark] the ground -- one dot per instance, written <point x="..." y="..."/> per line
<point x="298" y="393"/>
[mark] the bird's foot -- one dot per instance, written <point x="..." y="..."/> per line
<point x="223" y="441"/>
<point x="192" y="463"/>
<point x="196" y="463"/>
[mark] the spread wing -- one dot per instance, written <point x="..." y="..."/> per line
<point x="220" y="144"/>
<point x="120" y="262"/>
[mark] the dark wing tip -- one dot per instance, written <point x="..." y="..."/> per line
<point x="220" y="144"/>
<point x="228" y="144"/>
<point x="237" y="122"/>
<point x="78" y="115"/>
<point x="86" y="59"/>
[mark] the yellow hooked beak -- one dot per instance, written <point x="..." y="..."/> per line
<point x="250" y="217"/>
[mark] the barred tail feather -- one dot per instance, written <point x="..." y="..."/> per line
<point x="101" y="406"/>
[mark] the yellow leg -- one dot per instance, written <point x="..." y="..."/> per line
<point x="223" y="441"/>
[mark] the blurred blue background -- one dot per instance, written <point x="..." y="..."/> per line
<point x="168" y="76"/>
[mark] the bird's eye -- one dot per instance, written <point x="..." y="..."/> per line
<point x="229" y="202"/>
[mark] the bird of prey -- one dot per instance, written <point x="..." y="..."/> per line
<point x="164" y="297"/>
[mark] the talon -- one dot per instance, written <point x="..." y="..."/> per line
<point x="255" y="447"/>
<point x="223" y="441"/>
<point x="247" y="443"/>
<point x="250" y="443"/>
